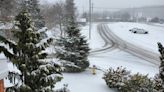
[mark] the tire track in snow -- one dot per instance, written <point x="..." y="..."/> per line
<point x="109" y="44"/>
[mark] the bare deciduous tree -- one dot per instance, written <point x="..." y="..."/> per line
<point x="7" y="9"/>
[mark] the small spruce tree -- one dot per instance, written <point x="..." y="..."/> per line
<point x="73" y="49"/>
<point x="37" y="74"/>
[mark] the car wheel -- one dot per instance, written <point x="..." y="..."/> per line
<point x="135" y="32"/>
<point x="146" y="32"/>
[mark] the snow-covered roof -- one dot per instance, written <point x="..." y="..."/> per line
<point x="3" y="69"/>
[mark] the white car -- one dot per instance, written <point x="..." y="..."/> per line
<point x="139" y="31"/>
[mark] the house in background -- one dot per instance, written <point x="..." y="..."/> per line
<point x="82" y="21"/>
<point x="3" y="72"/>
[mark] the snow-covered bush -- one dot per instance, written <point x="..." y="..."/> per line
<point x="137" y="83"/>
<point x="116" y="78"/>
<point x="123" y="81"/>
<point x="158" y="84"/>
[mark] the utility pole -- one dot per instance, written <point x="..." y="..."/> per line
<point x="90" y="16"/>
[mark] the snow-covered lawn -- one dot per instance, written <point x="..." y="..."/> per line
<point x="145" y="41"/>
<point x="86" y="82"/>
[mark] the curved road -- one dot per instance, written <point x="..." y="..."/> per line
<point x="112" y="41"/>
<point x="109" y="44"/>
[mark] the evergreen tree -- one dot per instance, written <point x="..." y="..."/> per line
<point x="161" y="50"/>
<point x="160" y="77"/>
<point x="37" y="74"/>
<point x="73" y="49"/>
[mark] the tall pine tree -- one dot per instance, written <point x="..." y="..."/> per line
<point x="73" y="49"/>
<point x="159" y="79"/>
<point x="161" y="70"/>
<point x="37" y="74"/>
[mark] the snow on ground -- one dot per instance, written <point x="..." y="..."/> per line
<point x="97" y="42"/>
<point x="86" y="82"/>
<point x="117" y="58"/>
<point x="157" y="24"/>
<point x="146" y="41"/>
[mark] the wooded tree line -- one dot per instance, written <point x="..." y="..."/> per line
<point x="8" y="8"/>
<point x="54" y="15"/>
<point x="58" y="13"/>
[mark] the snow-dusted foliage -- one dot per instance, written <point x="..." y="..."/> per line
<point x="73" y="48"/>
<point x="158" y="84"/>
<point x="137" y="83"/>
<point x="124" y="81"/>
<point x="116" y="78"/>
<point x="160" y="78"/>
<point x="161" y="68"/>
<point x="37" y="74"/>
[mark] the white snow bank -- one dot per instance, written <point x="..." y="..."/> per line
<point x="84" y="82"/>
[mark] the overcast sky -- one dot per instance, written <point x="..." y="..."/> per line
<point x="106" y="4"/>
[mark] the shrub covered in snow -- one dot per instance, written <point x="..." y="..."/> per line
<point x="137" y="83"/>
<point x="123" y="81"/>
<point x="116" y="78"/>
<point x="158" y="84"/>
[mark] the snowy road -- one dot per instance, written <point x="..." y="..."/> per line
<point x="112" y="42"/>
<point x="109" y="44"/>
<point x="131" y="48"/>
